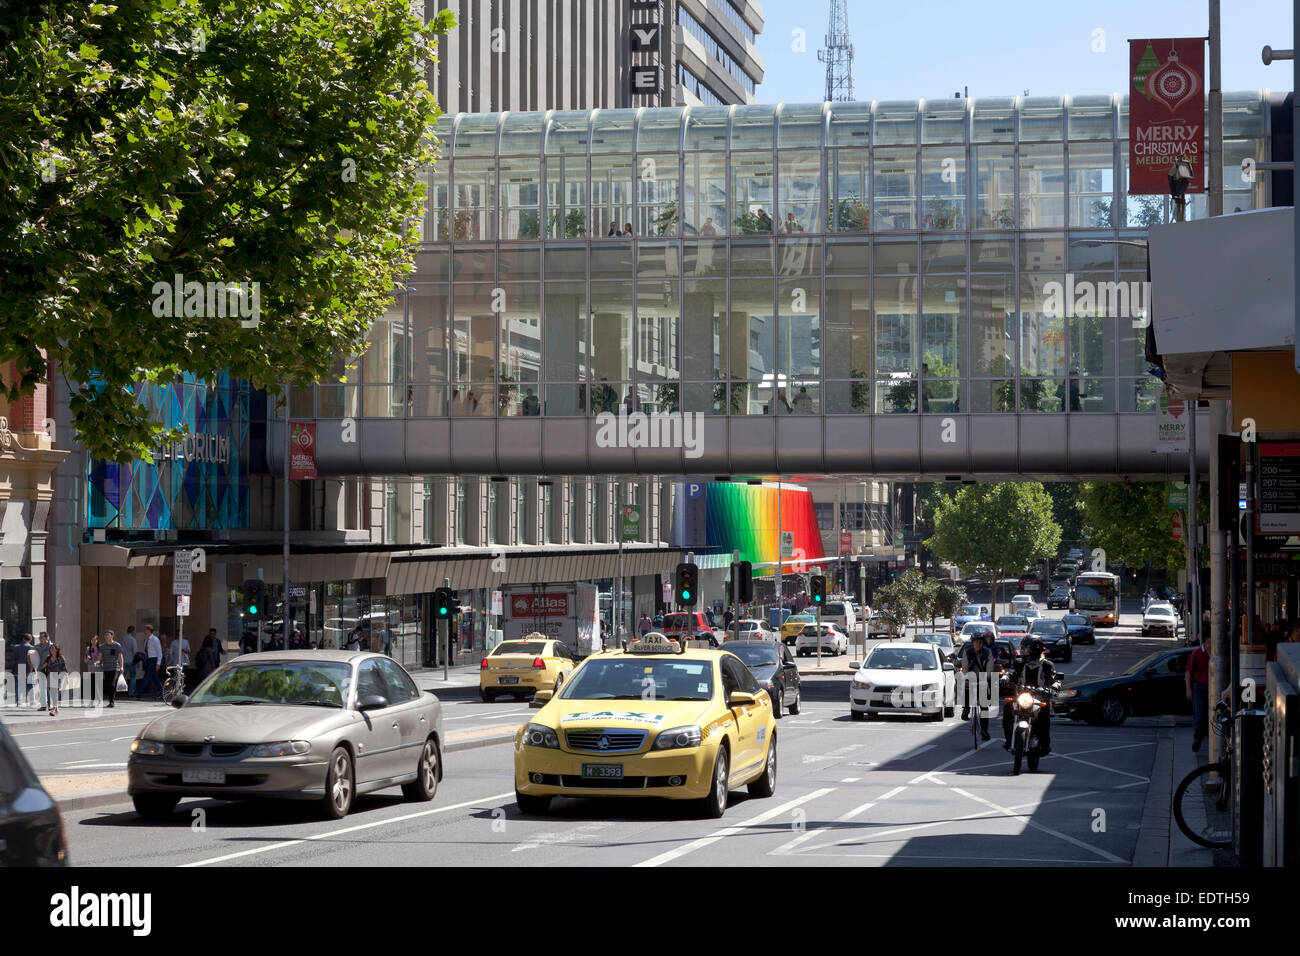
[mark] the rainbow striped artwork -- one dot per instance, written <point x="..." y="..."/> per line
<point x="721" y="517"/>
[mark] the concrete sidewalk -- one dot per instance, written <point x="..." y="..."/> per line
<point x="1160" y="842"/>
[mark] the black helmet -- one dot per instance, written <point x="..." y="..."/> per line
<point x="1025" y="642"/>
<point x="1035" y="647"/>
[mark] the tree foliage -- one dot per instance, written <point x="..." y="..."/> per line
<point x="1131" y="523"/>
<point x="951" y="598"/>
<point x="992" y="530"/>
<point x="277" y="143"/>
<point x="1067" y="510"/>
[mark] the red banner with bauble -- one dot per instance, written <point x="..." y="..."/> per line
<point x="1166" y="113"/>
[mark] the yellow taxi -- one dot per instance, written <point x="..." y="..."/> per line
<point x="656" y="720"/>
<point x="792" y="626"/>
<point x="523" y="667"/>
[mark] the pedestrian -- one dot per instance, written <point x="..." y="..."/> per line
<point x="1197" y="683"/>
<point x="91" y="668"/>
<point x="355" y="639"/>
<point x="178" y="652"/>
<point x="55" y="671"/>
<point x="29" y="664"/>
<point x="645" y="625"/>
<point x="206" y="660"/>
<point x="131" y="658"/>
<point x="153" y="653"/>
<point x="217" y="649"/>
<point x="727" y="617"/>
<point x="110" y="662"/>
<point x="43" y="650"/>
<point x="658" y="619"/>
<point x="708" y="613"/>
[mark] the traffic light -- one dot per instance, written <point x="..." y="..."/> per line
<point x="445" y="604"/>
<point x="254" y="597"/>
<point x="742" y="577"/>
<point x="839" y="579"/>
<point x="688" y="580"/>
<point x="817" y="589"/>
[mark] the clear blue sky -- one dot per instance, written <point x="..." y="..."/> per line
<point x="933" y="48"/>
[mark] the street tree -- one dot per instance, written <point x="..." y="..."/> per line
<point x="1131" y="523"/>
<point x="950" y="599"/>
<point x="199" y="186"/>
<point x="919" y="595"/>
<point x="891" y="608"/>
<point x="991" y="530"/>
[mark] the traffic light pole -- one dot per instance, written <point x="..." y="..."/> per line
<point x="446" y="582"/>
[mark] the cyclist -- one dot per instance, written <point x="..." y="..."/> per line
<point x="975" y="660"/>
<point x="1031" y="670"/>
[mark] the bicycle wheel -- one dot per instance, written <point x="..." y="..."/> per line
<point x="1196" y="812"/>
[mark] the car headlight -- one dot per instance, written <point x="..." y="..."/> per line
<point x="862" y="684"/>
<point x="282" y="748"/>
<point x="146" y="748"/>
<point x="679" y="738"/>
<point x="1025" y="700"/>
<point x="539" y="735"/>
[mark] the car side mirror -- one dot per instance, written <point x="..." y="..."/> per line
<point x="180" y="701"/>
<point x="854" y="665"/>
<point x="947" y="665"/>
<point x="1150" y="672"/>
<point x="372" y="702"/>
<point x="540" y="698"/>
<point x="741" y="698"/>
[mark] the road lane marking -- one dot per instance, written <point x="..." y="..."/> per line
<point x="331" y="834"/>
<point x="734" y="829"/>
<point x="562" y="837"/>
<point x="1038" y="826"/>
<point x="1123" y="773"/>
<point x="76" y="730"/>
<point x="504" y="713"/>
<point x="850" y="780"/>
<point x="788" y="847"/>
<point x="75" y="743"/>
<point x="85" y="765"/>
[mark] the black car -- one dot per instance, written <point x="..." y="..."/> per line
<point x="1056" y="639"/>
<point x="774" y="669"/>
<point x="1080" y="628"/>
<point x="1152" y="687"/>
<point x="1060" y="598"/>
<point x="31" y="831"/>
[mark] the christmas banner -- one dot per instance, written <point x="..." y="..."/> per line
<point x="1166" y="113"/>
<point x="302" y="451"/>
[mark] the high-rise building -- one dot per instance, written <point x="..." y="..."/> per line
<point x="596" y="54"/>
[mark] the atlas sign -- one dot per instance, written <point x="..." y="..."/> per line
<point x="539" y="605"/>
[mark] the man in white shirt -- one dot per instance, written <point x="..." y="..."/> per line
<point x="179" y="646"/>
<point x="153" y="653"/>
<point x="130" y="648"/>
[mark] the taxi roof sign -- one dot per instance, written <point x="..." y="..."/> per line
<point x="648" y="646"/>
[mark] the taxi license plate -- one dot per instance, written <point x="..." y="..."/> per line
<point x="603" y="771"/>
<point x="203" y="775"/>
<point x="509" y="680"/>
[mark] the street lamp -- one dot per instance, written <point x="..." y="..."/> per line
<point x="1179" y="176"/>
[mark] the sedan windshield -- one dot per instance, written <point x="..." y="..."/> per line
<point x="1160" y="612"/>
<point x="1047" y="628"/>
<point x="971" y="610"/>
<point x="756" y="655"/>
<point x="901" y="659"/>
<point x="1076" y="620"/>
<point x="320" y="683"/>
<point x="943" y="640"/>
<point x="640" y="678"/>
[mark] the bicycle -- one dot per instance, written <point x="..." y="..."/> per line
<point x="174" y="686"/>
<point x="1215" y="832"/>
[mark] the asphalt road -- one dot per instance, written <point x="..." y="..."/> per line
<point x="892" y="791"/>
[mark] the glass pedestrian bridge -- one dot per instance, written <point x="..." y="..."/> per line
<point x="930" y="288"/>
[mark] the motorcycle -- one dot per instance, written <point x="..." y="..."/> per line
<point x="1027" y="703"/>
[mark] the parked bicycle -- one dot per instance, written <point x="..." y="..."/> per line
<point x="1205" y="823"/>
<point x="174" y="684"/>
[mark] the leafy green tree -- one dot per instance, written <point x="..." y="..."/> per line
<point x="1131" y="523"/>
<point x="1067" y="510"/>
<point x="949" y="600"/>
<point x="919" y="596"/>
<point x="992" y="530"/>
<point x="278" y="143"/>
<point x="891" y="608"/>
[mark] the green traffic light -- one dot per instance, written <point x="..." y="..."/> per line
<point x="442" y="610"/>
<point x="686" y="595"/>
<point x="252" y="609"/>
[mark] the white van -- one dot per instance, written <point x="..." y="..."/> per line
<point x="839" y="611"/>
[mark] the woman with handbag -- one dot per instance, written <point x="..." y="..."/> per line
<point x="55" y="670"/>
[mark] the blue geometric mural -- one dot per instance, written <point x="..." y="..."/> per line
<point x="199" y="484"/>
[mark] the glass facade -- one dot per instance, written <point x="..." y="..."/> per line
<point x="832" y="259"/>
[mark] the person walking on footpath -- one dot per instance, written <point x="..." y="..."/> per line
<point x="206" y="661"/>
<point x="1197" y="682"/>
<point x="130" y="658"/>
<point x="91" y="668"/>
<point x="43" y="650"/>
<point x="55" y="670"/>
<point x="110" y="662"/>
<point x="217" y="649"/>
<point x="153" y="652"/>
<point x="29" y="663"/>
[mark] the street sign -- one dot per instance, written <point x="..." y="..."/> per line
<point x="496" y="603"/>
<point x="1172" y="419"/>
<point x="1177" y="497"/>
<point x="1279" y="487"/>
<point x="667" y="589"/>
<point x="898" y="539"/>
<point x="631" y="524"/>
<point x="1176" y="525"/>
<point x="182" y="573"/>
<point x="182" y="605"/>
<point x="787" y="545"/>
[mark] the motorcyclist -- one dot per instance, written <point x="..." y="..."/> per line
<point x="1031" y="670"/>
<point x="976" y="659"/>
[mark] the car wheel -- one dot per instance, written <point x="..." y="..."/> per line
<point x="425" y="784"/>
<point x="1111" y="711"/>
<point x="765" y="785"/>
<point x="949" y="711"/>
<point x="155" y="806"/>
<point x="339" y="785"/>
<point x="857" y="714"/>
<point x="778" y="703"/>
<point x="798" y="699"/>
<point x="715" y="804"/>
<point x="532" y="805"/>
<point x="1069" y="653"/>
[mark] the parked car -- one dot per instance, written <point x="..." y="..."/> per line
<point x="1159" y="617"/>
<point x="328" y="726"/>
<point x="775" y="670"/>
<point x="1055" y="637"/>
<point x="1059" y="598"/>
<point x="901" y="678"/>
<point x="1080" y="628"/>
<point x="829" y="637"/>
<point x="31" y="830"/>
<point x="1153" y="686"/>
<point x="971" y="612"/>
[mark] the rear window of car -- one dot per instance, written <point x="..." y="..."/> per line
<point x="1047" y="626"/>
<point x="678" y="622"/>
<point x="835" y="610"/>
<point x="1012" y="620"/>
<point x="1075" y="619"/>
<point x="520" y="647"/>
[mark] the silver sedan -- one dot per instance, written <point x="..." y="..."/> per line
<point x="305" y="725"/>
